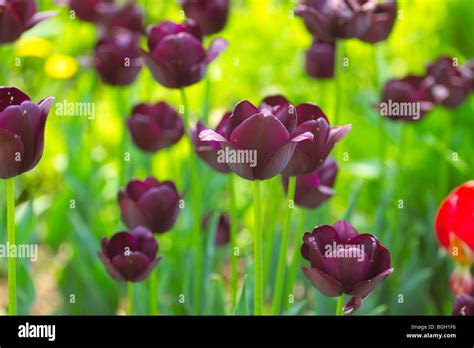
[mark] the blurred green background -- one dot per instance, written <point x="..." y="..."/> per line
<point x="69" y="201"/>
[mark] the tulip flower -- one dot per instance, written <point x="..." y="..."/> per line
<point x="130" y="256"/>
<point x="409" y="91"/>
<point x="367" y="20"/>
<point x="449" y="84"/>
<point x="154" y="127"/>
<point x="16" y="17"/>
<point x="129" y="17"/>
<point x="266" y="135"/>
<point x="313" y="189"/>
<point x="22" y="124"/>
<point x="463" y="305"/>
<point x="211" y="15"/>
<point x="117" y="58"/>
<point x="461" y="281"/>
<point x="222" y="233"/>
<point x="320" y="59"/>
<point x="208" y="150"/>
<point x="177" y="57"/>
<point x="149" y="203"/>
<point x="344" y="261"/>
<point x="455" y="223"/>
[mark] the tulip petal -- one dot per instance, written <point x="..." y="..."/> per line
<point x="352" y="306"/>
<point x="211" y="135"/>
<point x="121" y="243"/>
<point x="345" y="231"/>
<point x="315" y="21"/>
<point x="113" y="272"/>
<point x="132" y="214"/>
<point x="11" y="96"/>
<point x="309" y="111"/>
<point x="242" y="111"/>
<point x="161" y="207"/>
<point x="353" y="266"/>
<point x="145" y="133"/>
<point x="366" y="287"/>
<point x="39" y="17"/>
<point x="287" y="115"/>
<point x="147" y="243"/>
<point x="11" y="148"/>
<point x="324" y="283"/>
<point x="133" y="266"/>
<point x="215" y="49"/>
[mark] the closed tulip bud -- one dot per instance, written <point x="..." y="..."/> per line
<point x="259" y="142"/>
<point x="117" y="58"/>
<point x="211" y="15"/>
<point x="411" y="90"/>
<point x="17" y="16"/>
<point x="463" y="305"/>
<point x="208" y="151"/>
<point x="448" y="84"/>
<point x="454" y="223"/>
<point x="222" y="233"/>
<point x="22" y="124"/>
<point x="343" y="261"/>
<point x="177" y="57"/>
<point x="320" y="59"/>
<point x="149" y="203"/>
<point x="154" y="127"/>
<point x="130" y="256"/>
<point x="312" y="190"/>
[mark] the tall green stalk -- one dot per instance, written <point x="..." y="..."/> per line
<point x="130" y="298"/>
<point x="154" y="292"/>
<point x="233" y="239"/>
<point x="257" y="250"/>
<point x="340" y="305"/>
<point x="11" y="241"/>
<point x="280" y="278"/>
<point x="195" y="206"/>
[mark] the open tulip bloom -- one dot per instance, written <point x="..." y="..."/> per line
<point x="177" y="57"/>
<point x="344" y="261"/>
<point x="17" y="16"/>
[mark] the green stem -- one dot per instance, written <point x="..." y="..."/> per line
<point x="233" y="240"/>
<point x="257" y="250"/>
<point x="337" y="85"/>
<point x="270" y="223"/>
<point x="340" y="305"/>
<point x="11" y="241"/>
<point x="154" y="292"/>
<point x="195" y="206"/>
<point x="280" y="278"/>
<point x="130" y="298"/>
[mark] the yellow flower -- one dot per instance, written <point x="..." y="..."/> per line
<point x="33" y="47"/>
<point x="60" y="67"/>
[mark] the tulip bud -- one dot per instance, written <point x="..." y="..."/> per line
<point x="463" y="305"/>
<point x="130" y="256"/>
<point x="312" y="190"/>
<point x="320" y="59"/>
<point x="211" y="15"/>
<point x="343" y="261"/>
<point x="22" y="124"/>
<point x="17" y="16"/>
<point x="149" y="203"/>
<point x="154" y="127"/>
<point x="117" y="58"/>
<point x="177" y="57"/>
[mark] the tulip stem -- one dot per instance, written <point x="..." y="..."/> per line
<point x="234" y="276"/>
<point x="257" y="250"/>
<point x="280" y="278"/>
<point x="154" y="292"/>
<point x="340" y="304"/>
<point x="195" y="206"/>
<point x="130" y="298"/>
<point x="12" y="310"/>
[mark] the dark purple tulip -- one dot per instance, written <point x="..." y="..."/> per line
<point x="407" y="90"/>
<point x="154" y="127"/>
<point x="448" y="84"/>
<point x="117" y="58"/>
<point x="129" y="17"/>
<point x="211" y="15"/>
<point x="17" y="16"/>
<point x="208" y="150"/>
<point x="463" y="305"/>
<point x="22" y="124"/>
<point x="177" y="57"/>
<point x="320" y="59"/>
<point x="130" y="256"/>
<point x="89" y="10"/>
<point x="266" y="134"/>
<point x="222" y="236"/>
<point x="381" y="17"/>
<point x="312" y="190"/>
<point x="149" y="203"/>
<point x="309" y="156"/>
<point x="343" y="261"/>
